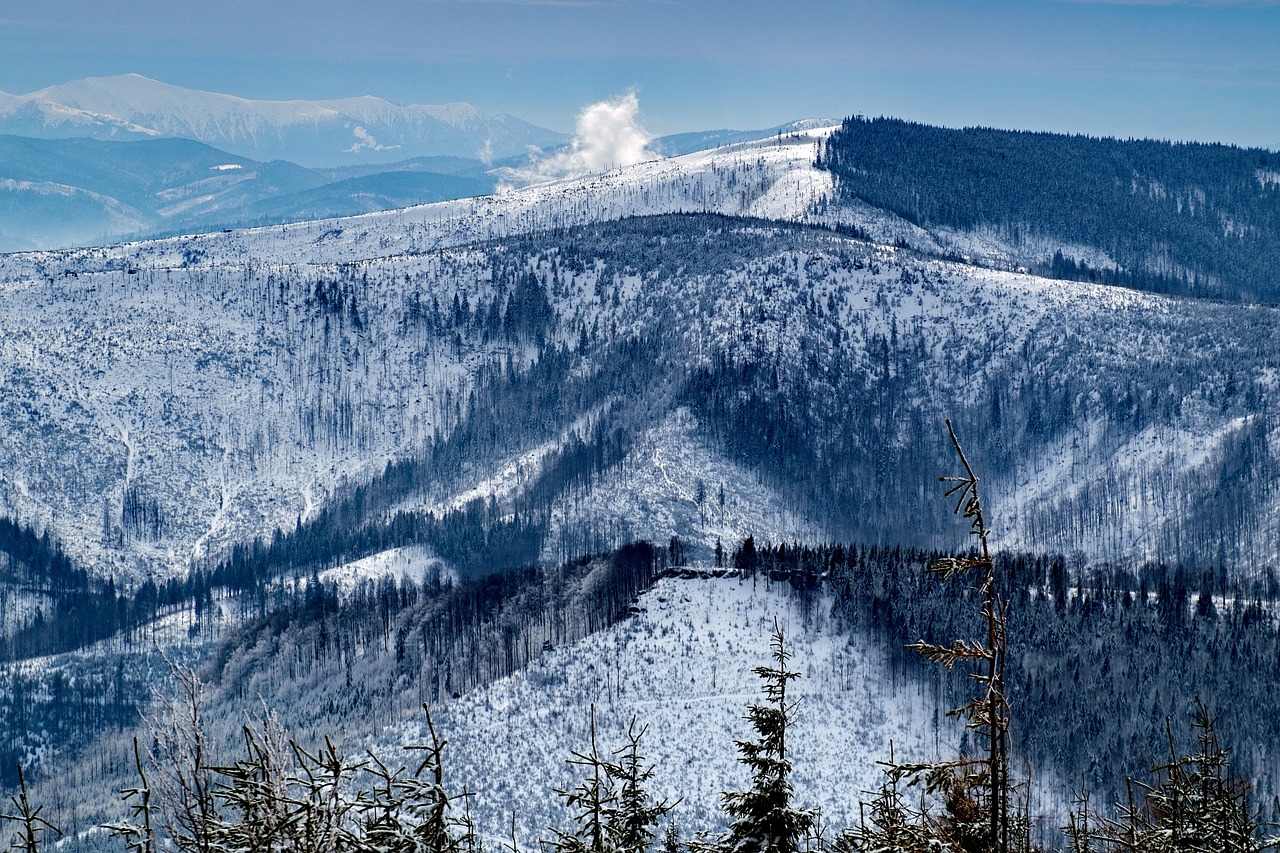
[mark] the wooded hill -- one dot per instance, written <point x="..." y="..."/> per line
<point x="1188" y="218"/>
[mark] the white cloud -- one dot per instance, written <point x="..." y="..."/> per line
<point x="608" y="136"/>
<point x="365" y="139"/>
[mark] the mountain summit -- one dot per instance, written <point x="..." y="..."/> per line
<point x="316" y="133"/>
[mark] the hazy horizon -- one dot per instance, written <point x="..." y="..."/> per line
<point x="1164" y="69"/>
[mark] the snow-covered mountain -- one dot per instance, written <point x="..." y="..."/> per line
<point x="164" y="400"/>
<point x="705" y="347"/>
<point x="313" y="133"/>
<point x="31" y="116"/>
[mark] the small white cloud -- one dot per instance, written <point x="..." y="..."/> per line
<point x="365" y="139"/>
<point x="608" y="136"/>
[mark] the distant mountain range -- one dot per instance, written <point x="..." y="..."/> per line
<point x="114" y="158"/>
<point x="313" y="133"/>
<point x="66" y="192"/>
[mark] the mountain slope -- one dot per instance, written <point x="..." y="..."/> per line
<point x="28" y="116"/>
<point x="227" y="398"/>
<point x="228" y="388"/>
<point x="683" y="667"/>
<point x="1187" y="218"/>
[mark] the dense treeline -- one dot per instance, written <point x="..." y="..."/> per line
<point x="1191" y="218"/>
<point x="867" y="475"/>
<point x="38" y="558"/>
<point x="372" y="653"/>
<point x="433" y="639"/>
<point x="63" y="606"/>
<point x="1143" y="646"/>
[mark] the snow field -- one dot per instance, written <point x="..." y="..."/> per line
<point x="683" y="667"/>
<point x="653" y="495"/>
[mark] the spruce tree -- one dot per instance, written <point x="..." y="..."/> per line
<point x="671" y="838"/>
<point x="892" y="826"/>
<point x="763" y="818"/>
<point x="633" y="816"/>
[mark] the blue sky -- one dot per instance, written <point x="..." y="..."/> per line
<point x="1207" y="70"/>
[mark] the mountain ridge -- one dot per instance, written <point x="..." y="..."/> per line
<point x="173" y="184"/>
<point x="311" y="132"/>
<point x="799" y="318"/>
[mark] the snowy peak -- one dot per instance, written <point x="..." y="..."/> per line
<point x="27" y="115"/>
<point x="173" y="109"/>
<point x="311" y="132"/>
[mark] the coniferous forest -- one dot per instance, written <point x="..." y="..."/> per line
<point x="1156" y="209"/>
<point x="1087" y="679"/>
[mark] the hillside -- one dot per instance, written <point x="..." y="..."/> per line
<point x="518" y="664"/>
<point x="683" y="666"/>
<point x="215" y="388"/>
<point x="1188" y="218"/>
<point x="512" y="663"/>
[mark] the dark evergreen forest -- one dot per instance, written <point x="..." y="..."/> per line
<point x="1188" y="218"/>
<point x="1100" y="656"/>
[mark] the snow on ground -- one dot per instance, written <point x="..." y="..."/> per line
<point x="683" y="667"/>
<point x="178" y="633"/>
<point x="773" y="178"/>
<point x="197" y="376"/>
<point x="1082" y="459"/>
<point x="654" y="494"/>
<point x="414" y="562"/>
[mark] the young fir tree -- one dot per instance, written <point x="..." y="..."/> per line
<point x="31" y="826"/>
<point x="671" y="842"/>
<point x="613" y="811"/>
<point x="892" y="825"/>
<point x="414" y="813"/>
<point x="590" y="801"/>
<point x="1197" y="804"/>
<point x="763" y="818"/>
<point x="633" y="816"/>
